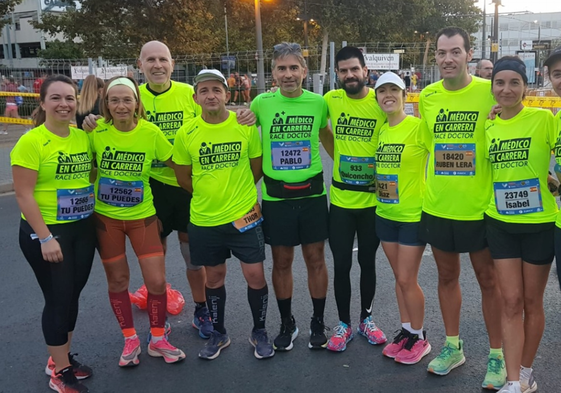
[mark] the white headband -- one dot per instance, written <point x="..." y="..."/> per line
<point x="123" y="81"/>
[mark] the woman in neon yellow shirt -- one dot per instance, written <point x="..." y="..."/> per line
<point x="125" y="144"/>
<point x="401" y="158"/>
<point x="520" y="219"/>
<point x="51" y="166"/>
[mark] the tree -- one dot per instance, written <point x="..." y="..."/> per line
<point x="62" y="50"/>
<point x="6" y="7"/>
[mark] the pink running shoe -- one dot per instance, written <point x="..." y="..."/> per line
<point x="392" y="349"/>
<point x="164" y="349"/>
<point x="343" y="333"/>
<point x="129" y="357"/>
<point x="368" y="329"/>
<point x="414" y="350"/>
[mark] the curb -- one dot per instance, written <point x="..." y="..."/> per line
<point x="8" y="187"/>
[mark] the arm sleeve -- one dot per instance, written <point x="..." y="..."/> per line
<point x="323" y="115"/>
<point x="27" y="152"/>
<point x="326" y="98"/>
<point x="552" y="131"/>
<point x="255" y="109"/>
<point x="254" y="141"/>
<point x="487" y="139"/>
<point x="424" y="136"/>
<point x="181" y="154"/>
<point x="163" y="148"/>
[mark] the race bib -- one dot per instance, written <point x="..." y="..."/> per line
<point x="518" y="197"/>
<point x="250" y="220"/>
<point x="454" y="159"/>
<point x="120" y="193"/>
<point x="387" y="189"/>
<point x="75" y="204"/>
<point x="291" y="155"/>
<point x="357" y="170"/>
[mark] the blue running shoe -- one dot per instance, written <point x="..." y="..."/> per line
<point x="202" y="322"/>
<point x="260" y="341"/>
<point x="216" y="343"/>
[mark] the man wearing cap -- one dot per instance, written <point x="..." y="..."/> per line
<point x="169" y="105"/>
<point x="458" y="190"/>
<point x="356" y="119"/>
<point x="484" y="69"/>
<point x="292" y="123"/>
<point x="219" y="162"/>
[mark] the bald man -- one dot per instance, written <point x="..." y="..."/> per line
<point x="484" y="69"/>
<point x="169" y="105"/>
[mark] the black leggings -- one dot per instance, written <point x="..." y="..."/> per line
<point x="61" y="282"/>
<point x="343" y="224"/>
<point x="558" y="253"/>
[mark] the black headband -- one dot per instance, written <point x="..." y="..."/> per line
<point x="510" y="65"/>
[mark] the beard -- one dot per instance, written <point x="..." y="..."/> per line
<point x="353" y="89"/>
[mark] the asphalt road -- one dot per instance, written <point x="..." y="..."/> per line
<point x="361" y="368"/>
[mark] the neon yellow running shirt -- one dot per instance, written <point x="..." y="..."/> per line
<point x="123" y="168"/>
<point x="169" y="111"/>
<point x="558" y="157"/>
<point x="63" y="190"/>
<point x="519" y="150"/>
<point x="458" y="176"/>
<point x="223" y="184"/>
<point x="290" y="133"/>
<point x="356" y="124"/>
<point x="401" y="159"/>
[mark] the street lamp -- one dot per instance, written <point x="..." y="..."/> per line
<point x="259" y="34"/>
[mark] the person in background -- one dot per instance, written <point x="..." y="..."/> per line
<point x="232" y="87"/>
<point x="484" y="69"/>
<point x="89" y="99"/>
<point x="11" y="104"/>
<point x="56" y="234"/>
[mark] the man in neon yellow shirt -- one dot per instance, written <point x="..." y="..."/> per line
<point x="356" y="118"/>
<point x="219" y="162"/>
<point x="292" y="123"/>
<point x="458" y="191"/>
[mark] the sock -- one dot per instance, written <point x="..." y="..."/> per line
<point x="198" y="306"/>
<point x="157" y="305"/>
<point x="514" y="383"/>
<point x="216" y="301"/>
<point x="454" y="340"/>
<point x="121" y="305"/>
<point x="285" y="306"/>
<point x="496" y="352"/>
<point x="258" y="301"/>
<point x="418" y="332"/>
<point x="407" y="326"/>
<point x="319" y="307"/>
<point x="525" y="372"/>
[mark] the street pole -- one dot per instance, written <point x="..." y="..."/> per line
<point x="227" y="45"/>
<point x="260" y="65"/>
<point x="495" y="44"/>
<point x="483" y="37"/>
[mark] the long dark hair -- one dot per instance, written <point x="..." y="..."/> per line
<point x="40" y="115"/>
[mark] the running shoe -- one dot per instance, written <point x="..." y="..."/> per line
<point x="510" y="388"/>
<point x="318" y="339"/>
<point x="342" y="334"/>
<point x="287" y="335"/>
<point x="202" y="322"/>
<point x="260" y="341"/>
<point x="80" y="371"/>
<point x="392" y="349"/>
<point x="162" y="348"/>
<point x="413" y="350"/>
<point x="368" y="329"/>
<point x="167" y="332"/>
<point x="65" y="382"/>
<point x="528" y="384"/>
<point x="449" y="358"/>
<point x="216" y="343"/>
<point x="496" y="373"/>
<point x="129" y="357"/>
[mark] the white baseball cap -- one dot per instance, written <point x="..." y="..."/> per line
<point x="210" y="75"/>
<point x="390" y="78"/>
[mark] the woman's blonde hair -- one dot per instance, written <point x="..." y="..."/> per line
<point x="89" y="94"/>
<point x="139" y="113"/>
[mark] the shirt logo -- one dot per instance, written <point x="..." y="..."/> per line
<point x="219" y="155"/>
<point x="73" y="166"/>
<point x="455" y="124"/>
<point x="509" y="153"/>
<point x="291" y="127"/>
<point x="354" y="129"/>
<point x="125" y="163"/>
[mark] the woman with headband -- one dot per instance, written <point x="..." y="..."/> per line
<point x="520" y="220"/>
<point x="51" y="167"/>
<point x="125" y="144"/>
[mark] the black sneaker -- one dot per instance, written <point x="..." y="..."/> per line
<point x="65" y="382"/>
<point x="288" y="333"/>
<point x="318" y="339"/>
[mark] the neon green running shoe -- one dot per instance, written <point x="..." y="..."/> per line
<point x="496" y="373"/>
<point x="450" y="357"/>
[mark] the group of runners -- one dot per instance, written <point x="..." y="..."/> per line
<point x="167" y="156"/>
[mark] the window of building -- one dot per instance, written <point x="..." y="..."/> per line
<point x="30" y="49"/>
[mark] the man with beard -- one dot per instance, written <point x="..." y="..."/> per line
<point x="353" y="194"/>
